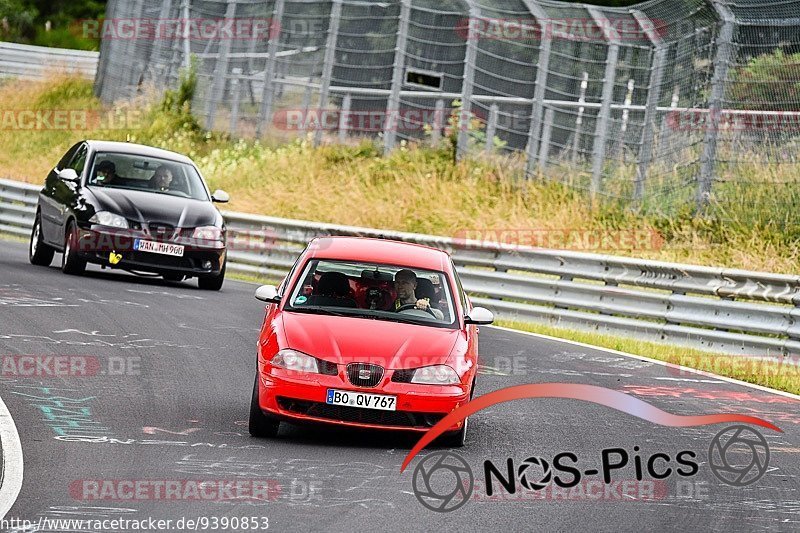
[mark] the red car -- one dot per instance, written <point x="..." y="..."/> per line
<point x="367" y="333"/>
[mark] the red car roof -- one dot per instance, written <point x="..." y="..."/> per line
<point x="380" y="251"/>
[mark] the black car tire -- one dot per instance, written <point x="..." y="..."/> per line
<point x="261" y="425"/>
<point x="456" y="439"/>
<point x="39" y="253"/>
<point x="70" y="262"/>
<point x="212" y="283"/>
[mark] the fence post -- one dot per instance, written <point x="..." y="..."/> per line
<point x="540" y="87"/>
<point x="330" y="57"/>
<point x="344" y="118"/>
<point x="393" y="103"/>
<point x="158" y="43"/>
<point x="604" y="115"/>
<point x="268" y="92"/>
<point x="579" y="119"/>
<point x="653" y="96"/>
<point x="721" y="60"/>
<point x="187" y="49"/>
<point x="236" y="94"/>
<point x="491" y="127"/>
<point x="220" y="71"/>
<point x="306" y="104"/>
<point x="544" y="149"/>
<point x="438" y="122"/>
<point x="467" y="87"/>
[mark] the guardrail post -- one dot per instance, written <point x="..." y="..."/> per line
<point x="220" y="71"/>
<point x="491" y="127"/>
<point x="467" y="86"/>
<point x="268" y="92"/>
<point x="392" y="118"/>
<point x="604" y="115"/>
<point x="544" y="149"/>
<point x="344" y="118"/>
<point x="540" y="87"/>
<point x="236" y="96"/>
<point x="330" y="57"/>
<point x="721" y="62"/>
<point x="653" y="96"/>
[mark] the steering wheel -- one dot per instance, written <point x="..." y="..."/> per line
<point x="409" y="307"/>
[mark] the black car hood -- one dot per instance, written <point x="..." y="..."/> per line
<point x="154" y="207"/>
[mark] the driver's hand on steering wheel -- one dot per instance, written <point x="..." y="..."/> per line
<point x="422" y="303"/>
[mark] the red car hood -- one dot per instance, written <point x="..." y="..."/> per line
<point x="347" y="340"/>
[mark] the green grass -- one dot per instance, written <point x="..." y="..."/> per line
<point x="785" y="377"/>
<point x="754" y="224"/>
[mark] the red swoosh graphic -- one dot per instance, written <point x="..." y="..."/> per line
<point x="588" y="393"/>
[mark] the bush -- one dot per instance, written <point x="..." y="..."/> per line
<point x="767" y="82"/>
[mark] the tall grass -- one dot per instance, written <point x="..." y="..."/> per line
<point x="420" y="189"/>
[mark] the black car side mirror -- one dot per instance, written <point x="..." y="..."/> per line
<point x="68" y="174"/>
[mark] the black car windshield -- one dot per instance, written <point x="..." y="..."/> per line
<point x="149" y="174"/>
<point x="373" y="291"/>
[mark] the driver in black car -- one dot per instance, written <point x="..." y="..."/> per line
<point x="162" y="179"/>
<point x="405" y="283"/>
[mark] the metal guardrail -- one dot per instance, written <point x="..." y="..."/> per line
<point x="37" y="62"/>
<point x="717" y="309"/>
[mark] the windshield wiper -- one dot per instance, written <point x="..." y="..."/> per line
<point x="317" y="310"/>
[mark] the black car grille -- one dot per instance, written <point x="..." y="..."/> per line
<point x="161" y="230"/>
<point x="364" y="374"/>
<point x="327" y="368"/>
<point x="403" y="376"/>
<point x="359" y="415"/>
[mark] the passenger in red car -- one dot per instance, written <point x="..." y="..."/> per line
<point x="406" y="283"/>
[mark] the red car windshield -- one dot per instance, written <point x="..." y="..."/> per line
<point x="384" y="292"/>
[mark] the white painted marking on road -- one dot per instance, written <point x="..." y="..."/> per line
<point x="655" y="361"/>
<point x="12" y="464"/>
<point x="692" y="380"/>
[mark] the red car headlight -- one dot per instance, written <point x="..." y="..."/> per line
<point x="294" y="360"/>
<point x="435" y="375"/>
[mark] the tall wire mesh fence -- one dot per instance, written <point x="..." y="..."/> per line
<point x="665" y="104"/>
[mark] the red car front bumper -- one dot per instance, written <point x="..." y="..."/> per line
<point x="297" y="396"/>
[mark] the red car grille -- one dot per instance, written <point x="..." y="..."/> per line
<point x="364" y="374"/>
<point x="359" y="415"/>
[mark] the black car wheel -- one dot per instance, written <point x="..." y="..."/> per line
<point x="70" y="262"/>
<point x="212" y="283"/>
<point x="457" y="439"/>
<point x="39" y="253"/>
<point x="259" y="424"/>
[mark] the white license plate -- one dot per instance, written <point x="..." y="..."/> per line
<point x="361" y="399"/>
<point x="158" y="247"/>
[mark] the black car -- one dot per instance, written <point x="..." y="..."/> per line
<point x="132" y="207"/>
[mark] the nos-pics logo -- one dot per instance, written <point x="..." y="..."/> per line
<point x="443" y="481"/>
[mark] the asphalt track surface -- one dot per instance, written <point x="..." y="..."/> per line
<point x="179" y="413"/>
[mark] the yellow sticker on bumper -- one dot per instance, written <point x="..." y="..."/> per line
<point x="114" y="258"/>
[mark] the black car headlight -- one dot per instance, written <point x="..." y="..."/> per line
<point x="107" y="218"/>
